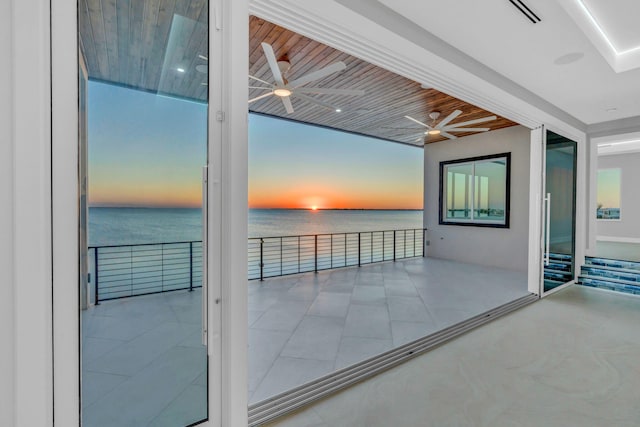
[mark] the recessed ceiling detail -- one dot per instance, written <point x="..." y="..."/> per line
<point x="383" y="98"/>
<point x="612" y="27"/>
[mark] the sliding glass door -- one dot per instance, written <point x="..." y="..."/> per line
<point x="144" y="92"/>
<point x="560" y="211"/>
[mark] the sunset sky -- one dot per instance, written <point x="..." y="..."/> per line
<point x="148" y="150"/>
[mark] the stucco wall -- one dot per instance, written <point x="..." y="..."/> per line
<point x="498" y="247"/>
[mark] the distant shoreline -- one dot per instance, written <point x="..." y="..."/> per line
<point x="261" y="209"/>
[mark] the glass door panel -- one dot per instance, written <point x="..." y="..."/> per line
<point x="560" y="184"/>
<point x="143" y="361"/>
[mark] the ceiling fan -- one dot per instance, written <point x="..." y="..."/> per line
<point x="285" y="89"/>
<point x="444" y="128"/>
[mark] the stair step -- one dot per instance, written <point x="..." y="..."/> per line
<point x="558" y="265"/>
<point x="563" y="257"/>
<point x="557" y="275"/>
<point x="610" y="284"/>
<point x="611" y="273"/>
<point x="613" y="269"/>
<point x="612" y="263"/>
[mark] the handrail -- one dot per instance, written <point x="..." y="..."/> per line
<point x="121" y="271"/>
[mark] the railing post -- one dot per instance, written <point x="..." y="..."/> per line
<point x="414" y="242"/>
<point x="191" y="266"/>
<point x="331" y="251"/>
<point x="97" y="276"/>
<point x="298" y="254"/>
<point x="281" y="256"/>
<point x="359" y="249"/>
<point x="424" y="242"/>
<point x="261" y="259"/>
<point x="405" y="244"/>
<point x="394" y="245"/>
<point x="315" y="256"/>
<point x="371" y="241"/>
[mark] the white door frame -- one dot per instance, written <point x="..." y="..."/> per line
<point x="227" y="213"/>
<point x="537" y="204"/>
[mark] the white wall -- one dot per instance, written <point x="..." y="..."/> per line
<point x="629" y="225"/>
<point x="7" y="360"/>
<point x="498" y="247"/>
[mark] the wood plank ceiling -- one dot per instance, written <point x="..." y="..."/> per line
<point x="142" y="44"/>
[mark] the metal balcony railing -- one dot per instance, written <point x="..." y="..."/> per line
<point x="281" y="256"/>
<point x="121" y="271"/>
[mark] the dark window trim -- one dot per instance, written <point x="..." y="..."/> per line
<point x="507" y="212"/>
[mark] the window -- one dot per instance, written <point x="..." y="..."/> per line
<point x="475" y="191"/>
<point x="609" y="194"/>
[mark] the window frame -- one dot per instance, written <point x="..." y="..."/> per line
<point x="442" y="220"/>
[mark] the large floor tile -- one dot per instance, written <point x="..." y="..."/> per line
<point x="353" y="350"/>
<point x="139" y="399"/>
<point x="368" y="321"/>
<point x="330" y="304"/>
<point x="315" y="338"/>
<point x="410" y="309"/>
<point x="369" y="295"/>
<point x="264" y="348"/>
<point x="287" y="373"/>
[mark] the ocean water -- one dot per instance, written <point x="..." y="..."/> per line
<point x="126" y="226"/>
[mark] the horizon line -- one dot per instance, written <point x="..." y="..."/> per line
<point x="256" y="208"/>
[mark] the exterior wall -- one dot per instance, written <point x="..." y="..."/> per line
<point x="496" y="247"/>
<point x="629" y="225"/>
<point x="7" y="359"/>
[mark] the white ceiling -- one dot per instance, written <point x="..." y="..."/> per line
<point x="618" y="144"/>
<point x="539" y="56"/>
<point x="619" y="21"/>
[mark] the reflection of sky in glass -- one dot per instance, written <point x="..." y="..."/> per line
<point x="144" y="150"/>
<point x="489" y="197"/>
<point x="609" y="188"/>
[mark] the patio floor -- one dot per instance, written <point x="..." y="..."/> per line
<point x="300" y="327"/>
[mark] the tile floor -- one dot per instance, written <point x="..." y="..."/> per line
<point x="143" y="363"/>
<point x="567" y="360"/>
<point x="305" y="326"/>
<point x="300" y="327"/>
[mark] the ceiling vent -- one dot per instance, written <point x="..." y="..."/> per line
<point x="525" y="10"/>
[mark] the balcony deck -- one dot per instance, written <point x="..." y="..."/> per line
<point x="300" y="327"/>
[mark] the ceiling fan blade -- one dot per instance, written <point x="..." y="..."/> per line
<point x="273" y="63"/>
<point x="326" y="91"/>
<point x="473" y="122"/>
<point x="260" y="80"/>
<point x="457" y="129"/>
<point x="448" y="135"/>
<point x="260" y="97"/>
<point x="315" y="101"/>
<point x="261" y="87"/>
<point x="287" y="104"/>
<point x="418" y="122"/>
<point x="448" y="119"/>
<point x="318" y="74"/>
